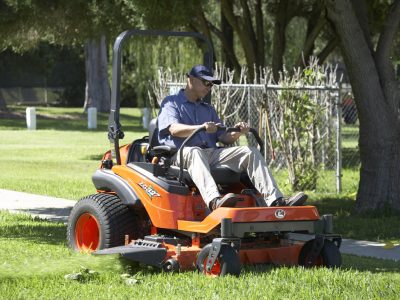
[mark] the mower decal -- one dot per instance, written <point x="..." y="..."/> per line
<point x="280" y="213"/>
<point x="149" y="190"/>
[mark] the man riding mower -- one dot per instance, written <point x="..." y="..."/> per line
<point x="153" y="209"/>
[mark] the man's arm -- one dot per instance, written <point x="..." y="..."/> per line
<point x="183" y="130"/>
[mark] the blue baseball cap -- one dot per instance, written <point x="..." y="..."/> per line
<point x="203" y="72"/>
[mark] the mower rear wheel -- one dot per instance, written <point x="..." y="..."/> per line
<point x="329" y="257"/>
<point x="227" y="262"/>
<point x="101" y="221"/>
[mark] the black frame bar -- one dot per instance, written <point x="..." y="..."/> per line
<point x="114" y="127"/>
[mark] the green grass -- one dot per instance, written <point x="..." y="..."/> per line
<point x="59" y="159"/>
<point x="35" y="259"/>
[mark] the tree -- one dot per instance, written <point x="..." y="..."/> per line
<point x="97" y="90"/>
<point x="250" y="22"/>
<point x="376" y="94"/>
<point x="25" y="23"/>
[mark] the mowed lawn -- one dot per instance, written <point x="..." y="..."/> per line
<point x="35" y="262"/>
<point x="58" y="160"/>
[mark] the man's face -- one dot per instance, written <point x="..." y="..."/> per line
<point x="200" y="86"/>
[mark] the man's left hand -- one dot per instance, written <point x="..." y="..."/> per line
<point x="244" y="127"/>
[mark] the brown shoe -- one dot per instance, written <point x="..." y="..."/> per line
<point x="229" y="200"/>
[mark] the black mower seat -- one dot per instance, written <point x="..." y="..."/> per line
<point x="221" y="175"/>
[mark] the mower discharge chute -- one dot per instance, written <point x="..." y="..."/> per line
<point x="150" y="211"/>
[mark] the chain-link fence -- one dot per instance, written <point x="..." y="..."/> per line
<point x="310" y="133"/>
<point x="350" y="154"/>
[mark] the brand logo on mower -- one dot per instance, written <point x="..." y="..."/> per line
<point x="149" y="190"/>
<point x="280" y="213"/>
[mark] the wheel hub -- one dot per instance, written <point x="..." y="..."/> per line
<point x="87" y="233"/>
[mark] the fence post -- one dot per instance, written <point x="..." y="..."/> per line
<point x="31" y="118"/>
<point x="249" y="106"/>
<point x="339" y="140"/>
<point x="146" y="117"/>
<point x="92" y="117"/>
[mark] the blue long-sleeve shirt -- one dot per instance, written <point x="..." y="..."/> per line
<point x="178" y="109"/>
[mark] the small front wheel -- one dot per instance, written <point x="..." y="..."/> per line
<point x="171" y="266"/>
<point x="329" y="256"/>
<point x="227" y="262"/>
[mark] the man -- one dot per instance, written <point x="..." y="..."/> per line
<point x="185" y="112"/>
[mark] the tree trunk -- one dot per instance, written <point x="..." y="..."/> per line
<point x="228" y="49"/>
<point x="279" y="42"/>
<point x="379" y="140"/>
<point x="97" y="92"/>
<point x="242" y="25"/>
<point x="315" y="25"/>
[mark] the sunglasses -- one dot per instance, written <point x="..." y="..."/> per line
<point x="206" y="82"/>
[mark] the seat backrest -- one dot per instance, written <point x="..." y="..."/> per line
<point x="153" y="134"/>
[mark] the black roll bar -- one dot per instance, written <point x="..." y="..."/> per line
<point x="114" y="127"/>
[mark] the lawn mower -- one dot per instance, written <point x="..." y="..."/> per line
<point x="149" y="211"/>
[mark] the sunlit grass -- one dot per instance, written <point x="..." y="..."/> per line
<point x="59" y="159"/>
<point x="35" y="261"/>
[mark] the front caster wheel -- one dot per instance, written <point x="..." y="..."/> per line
<point x="227" y="262"/>
<point x="329" y="256"/>
<point x="171" y="266"/>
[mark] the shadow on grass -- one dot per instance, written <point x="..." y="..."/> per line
<point x="375" y="226"/>
<point x="337" y="206"/>
<point x="73" y="121"/>
<point x="350" y="158"/>
<point x="353" y="262"/>
<point x="53" y="214"/>
<point x="36" y="230"/>
<point x="349" y="262"/>
<point x="96" y="157"/>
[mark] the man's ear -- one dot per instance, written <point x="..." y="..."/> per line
<point x="189" y="81"/>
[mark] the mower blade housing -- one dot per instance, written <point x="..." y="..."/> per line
<point x="149" y="255"/>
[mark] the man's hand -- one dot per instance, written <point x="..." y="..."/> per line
<point x="230" y="137"/>
<point x="211" y="127"/>
<point x="244" y="127"/>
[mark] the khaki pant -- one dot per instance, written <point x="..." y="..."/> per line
<point x="242" y="158"/>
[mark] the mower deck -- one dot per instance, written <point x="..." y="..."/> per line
<point x="266" y="219"/>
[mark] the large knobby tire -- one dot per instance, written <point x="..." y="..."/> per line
<point x="329" y="257"/>
<point x="101" y="221"/>
<point x="227" y="262"/>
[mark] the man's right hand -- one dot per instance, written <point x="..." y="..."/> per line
<point x="211" y="127"/>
